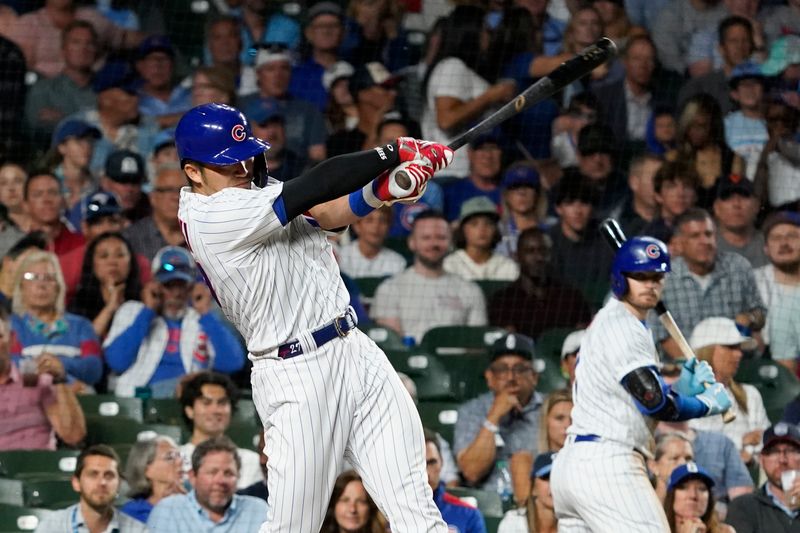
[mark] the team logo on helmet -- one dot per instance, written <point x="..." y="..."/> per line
<point x="238" y="133"/>
<point x="652" y="251"/>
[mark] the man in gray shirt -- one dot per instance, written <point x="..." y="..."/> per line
<point x="735" y="210"/>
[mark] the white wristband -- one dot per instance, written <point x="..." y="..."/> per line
<point x="490" y="427"/>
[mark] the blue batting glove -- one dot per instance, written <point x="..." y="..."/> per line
<point x="716" y="399"/>
<point x="694" y="375"/>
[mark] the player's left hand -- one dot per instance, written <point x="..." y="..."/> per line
<point x="201" y="298"/>
<point x="694" y="375"/>
<point x="386" y="189"/>
<point x="438" y="155"/>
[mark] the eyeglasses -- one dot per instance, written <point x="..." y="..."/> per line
<point x="517" y="370"/>
<point x="170" y="456"/>
<point x="33" y="276"/>
<point x="790" y="452"/>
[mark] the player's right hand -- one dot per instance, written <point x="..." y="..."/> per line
<point x="716" y="399"/>
<point x="386" y="189"/>
<point x="438" y="155"/>
<point x="694" y="375"/>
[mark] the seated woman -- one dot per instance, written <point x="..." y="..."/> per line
<point x="351" y="510"/>
<point x="42" y="330"/>
<point x="689" y="504"/>
<point x="556" y="418"/>
<point x="538" y="514"/>
<point x="672" y="450"/>
<point x="154" y="471"/>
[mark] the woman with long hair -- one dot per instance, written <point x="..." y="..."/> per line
<point x="554" y="420"/>
<point x="351" y="510"/>
<point x="689" y="503"/>
<point x="538" y="514"/>
<point x="109" y="277"/>
<point x="12" y="187"/>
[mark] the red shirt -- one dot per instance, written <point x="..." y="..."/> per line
<point x="66" y="241"/>
<point x="22" y="410"/>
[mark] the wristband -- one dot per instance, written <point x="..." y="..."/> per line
<point x="363" y="201"/>
<point x="492" y="428"/>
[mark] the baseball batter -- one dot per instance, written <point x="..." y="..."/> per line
<point x="324" y="391"/>
<point x="599" y="479"/>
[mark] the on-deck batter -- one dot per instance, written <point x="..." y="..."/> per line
<point x="599" y="480"/>
<point x="323" y="389"/>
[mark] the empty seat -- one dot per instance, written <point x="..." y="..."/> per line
<point x="27" y="464"/>
<point x="109" y="405"/>
<point x="460" y="340"/>
<point x="15" y="518"/>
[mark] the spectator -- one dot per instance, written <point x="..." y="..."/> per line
<point x="779" y="286"/>
<point x="672" y="449"/>
<point x="661" y="131"/>
<point x="780" y="18"/>
<point x="456" y="514"/>
<point x="736" y="46"/>
<point x="735" y="211"/>
<point x="773" y="507"/>
<point x="49" y="100"/>
<point x="745" y="129"/>
<point x="675" y="186"/>
<point x="108" y="278"/>
<point x="640" y="207"/>
<point x="581" y="111"/>
<point x="537" y="301"/>
<point x="44" y="203"/>
<point x="718" y="341"/>
<point x="374" y="31"/>
<point x="778" y="171"/>
<point x="569" y="354"/>
<point x="258" y="488"/>
<point x="373" y="90"/>
<point x="351" y="508"/>
<point x="12" y="194"/>
<point x="171" y="332"/>
<point x="550" y="30"/>
<point x="161" y="228"/>
<point x="159" y="97"/>
<point x="538" y="514"/>
<point x="97" y="481"/>
<point x="224" y="41"/>
<point x="454" y="93"/>
<point x="483" y="179"/>
<point x="579" y="256"/>
<point x="676" y="23"/>
<point x="521" y="200"/>
<point x="341" y="112"/>
<point x="705" y="282"/>
<point x="39" y="406"/>
<point x="41" y="330"/>
<point x="476" y="238"/>
<point x="305" y="126"/>
<point x="596" y="150"/>
<point x="502" y="424"/>
<point x="367" y="257"/>
<point x="212" y="504"/>
<point x="69" y="158"/>
<point x="556" y="418"/>
<point x="260" y="25"/>
<point x="208" y="399"/>
<point x="212" y="85"/>
<point x="617" y="26"/>
<point x="154" y="470"/>
<point x="323" y="34"/>
<point x="12" y="99"/>
<point x="424" y="296"/>
<point x="689" y="502"/>
<point x="35" y="240"/>
<point x="269" y="124"/>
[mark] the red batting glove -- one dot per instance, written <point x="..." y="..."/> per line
<point x="386" y="189"/>
<point x="412" y="149"/>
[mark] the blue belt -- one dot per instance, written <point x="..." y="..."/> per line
<point x="338" y="327"/>
<point x="587" y="438"/>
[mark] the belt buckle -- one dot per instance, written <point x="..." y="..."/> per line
<point x="348" y="321"/>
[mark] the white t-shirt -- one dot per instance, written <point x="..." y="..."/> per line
<point x="451" y="77"/>
<point x="746" y="136"/>
<point x="497" y="268"/>
<point x="756" y="418"/>
<point x="353" y="263"/>
<point x="251" y="466"/>
<point x="784" y="180"/>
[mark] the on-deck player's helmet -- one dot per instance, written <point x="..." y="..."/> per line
<point x="218" y="134"/>
<point x="639" y="254"/>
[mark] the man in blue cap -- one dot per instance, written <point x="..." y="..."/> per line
<point x="269" y="124"/>
<point x="746" y="128"/>
<point x="158" y="96"/>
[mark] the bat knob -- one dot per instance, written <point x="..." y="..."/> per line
<point x="402" y="179"/>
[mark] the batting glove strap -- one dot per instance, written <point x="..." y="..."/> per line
<point x="716" y="399"/>
<point x="364" y="201"/>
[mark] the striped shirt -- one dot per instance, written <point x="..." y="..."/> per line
<point x="22" y="409"/>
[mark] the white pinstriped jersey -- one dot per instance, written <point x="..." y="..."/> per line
<point x="273" y="282"/>
<point x="616" y="343"/>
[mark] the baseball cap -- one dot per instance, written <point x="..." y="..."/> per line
<point x="271" y="52"/>
<point x="173" y="262"/>
<point x="163" y="139"/>
<point x="155" y="43"/>
<point x="781" y="432"/>
<point x="101" y="204"/>
<point x="371" y="74"/>
<point x="337" y="71"/>
<point x="521" y="175"/>
<point x="114" y="75"/>
<point x="323" y="8"/>
<point x="596" y="139"/>
<point x="734" y="184"/>
<point x="264" y="110"/>
<point x="784" y="51"/>
<point x="490" y="137"/>
<point x="124" y="166"/>
<point x="744" y="71"/>
<point x="514" y="344"/>
<point x="74" y="128"/>
<point x="542" y="465"/>
<point x="686" y="471"/>
<point x="572" y="343"/>
<point x="719" y="330"/>
<point x="479" y="205"/>
<point x="780" y="217"/>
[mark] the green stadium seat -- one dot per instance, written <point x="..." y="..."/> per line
<point x="427" y="371"/>
<point x="29" y="464"/>
<point x="466" y="373"/>
<point x="550" y="377"/>
<point x="777" y="385"/>
<point x="246" y="412"/>
<point x="386" y="338"/>
<point x="400" y="245"/>
<point x="108" y="430"/>
<point x="163" y="411"/>
<point x="460" y="340"/>
<point x="595" y="292"/>
<point x="549" y="342"/>
<point x="15" y="519"/>
<point x="440" y="417"/>
<point x="488" y="502"/>
<point x="112" y="406"/>
<point x="368" y="286"/>
<point x="245" y="434"/>
<point x="491" y="286"/>
<point x="47" y="493"/>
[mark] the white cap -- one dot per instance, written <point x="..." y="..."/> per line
<point x="270" y="54"/>
<point x="572" y="343"/>
<point x="340" y="69"/>
<point x="719" y="330"/>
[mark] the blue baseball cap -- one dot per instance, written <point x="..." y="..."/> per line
<point x="542" y="465"/>
<point x="101" y="204"/>
<point x="164" y="138"/>
<point x="114" y="75"/>
<point x="173" y="262"/>
<point x="690" y="470"/>
<point x="74" y="128"/>
<point x="521" y="175"/>
<point x="264" y="110"/>
<point x="155" y="43"/>
<point x="744" y="71"/>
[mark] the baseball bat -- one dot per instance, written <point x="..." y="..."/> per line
<point x="615" y="238"/>
<point x="573" y="69"/>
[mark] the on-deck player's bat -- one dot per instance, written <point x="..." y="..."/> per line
<point x="615" y="238"/>
<point x="569" y="71"/>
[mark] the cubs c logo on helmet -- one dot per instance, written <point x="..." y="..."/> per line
<point x="238" y="133"/>
<point x="652" y="251"/>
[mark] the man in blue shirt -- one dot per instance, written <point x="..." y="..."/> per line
<point x="212" y="504"/>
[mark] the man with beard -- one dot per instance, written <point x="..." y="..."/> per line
<point x="96" y="480"/>
<point x="424" y="296"/>
<point x="212" y="504"/>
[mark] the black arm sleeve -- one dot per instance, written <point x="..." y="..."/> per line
<point x="336" y="177"/>
<point x="651" y="394"/>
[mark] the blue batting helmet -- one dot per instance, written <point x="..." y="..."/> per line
<point x="639" y="254"/>
<point x="216" y="134"/>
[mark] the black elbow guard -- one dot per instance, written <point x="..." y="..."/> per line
<point x="651" y="394"/>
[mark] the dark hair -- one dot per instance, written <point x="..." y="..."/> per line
<point x="34" y="239"/>
<point x="37" y="175"/>
<point x="215" y="444"/>
<point x="702" y="103"/>
<point x="514" y="35"/>
<point x="375" y="522"/>
<point x="636" y="39"/>
<point x="430" y="436"/>
<point x="428" y="214"/>
<point x="573" y="186"/>
<point x="672" y="171"/>
<point x="709" y="517"/>
<point x="584" y="99"/>
<point x="102" y="450"/>
<point x="460" y="240"/>
<point x="693" y="214"/>
<point x="193" y="389"/>
<point x="730" y="22"/>
<point x="88" y="299"/>
<point x="75" y="24"/>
